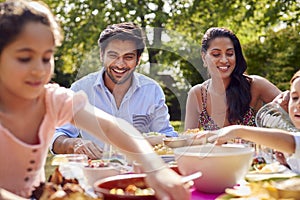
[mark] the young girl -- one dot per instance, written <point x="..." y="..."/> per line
<point x="30" y="108"/>
<point x="274" y="138"/>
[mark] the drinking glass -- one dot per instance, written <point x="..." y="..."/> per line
<point x="272" y="115"/>
<point x="117" y="158"/>
<point x="111" y="153"/>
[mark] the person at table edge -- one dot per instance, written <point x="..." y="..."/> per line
<point x="118" y="90"/>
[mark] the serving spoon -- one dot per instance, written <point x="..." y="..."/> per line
<point x="189" y="178"/>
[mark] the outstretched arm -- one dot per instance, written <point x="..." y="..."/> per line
<point x="129" y="141"/>
<point x="274" y="138"/>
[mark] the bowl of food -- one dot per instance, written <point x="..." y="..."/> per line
<point x="193" y="136"/>
<point x="154" y="138"/>
<point x="124" y="186"/>
<point x="175" y="142"/>
<point x="98" y="169"/>
<point x="221" y="166"/>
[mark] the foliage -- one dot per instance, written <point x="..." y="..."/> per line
<point x="174" y="30"/>
<point x="279" y="64"/>
<point x="178" y="126"/>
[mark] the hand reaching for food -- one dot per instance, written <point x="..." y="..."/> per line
<point x="88" y="148"/>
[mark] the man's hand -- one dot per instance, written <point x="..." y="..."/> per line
<point x="88" y="148"/>
<point x="66" y="145"/>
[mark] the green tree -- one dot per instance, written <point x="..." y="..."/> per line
<point x="276" y="56"/>
<point x="174" y="29"/>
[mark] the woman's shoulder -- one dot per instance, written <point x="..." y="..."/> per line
<point x="263" y="89"/>
<point x="260" y="82"/>
<point x="256" y="79"/>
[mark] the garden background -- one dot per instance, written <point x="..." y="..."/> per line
<point x="268" y="31"/>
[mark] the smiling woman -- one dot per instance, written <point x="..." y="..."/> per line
<point x="230" y="96"/>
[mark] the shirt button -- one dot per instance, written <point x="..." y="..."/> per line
<point x="26" y="179"/>
<point x="34" y="150"/>
<point x="32" y="161"/>
<point x="29" y="169"/>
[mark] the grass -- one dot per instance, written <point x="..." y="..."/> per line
<point x="178" y="126"/>
<point x="49" y="169"/>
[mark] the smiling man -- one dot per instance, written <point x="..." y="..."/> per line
<point x="118" y="90"/>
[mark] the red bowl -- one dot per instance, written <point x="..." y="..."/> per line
<point x="175" y="168"/>
<point x="103" y="186"/>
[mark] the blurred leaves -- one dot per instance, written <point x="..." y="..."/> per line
<point x="267" y="29"/>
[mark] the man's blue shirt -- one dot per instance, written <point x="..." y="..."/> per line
<point x="143" y="105"/>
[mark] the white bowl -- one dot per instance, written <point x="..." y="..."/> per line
<point x="175" y="142"/>
<point x="155" y="139"/>
<point x="94" y="174"/>
<point x="221" y="166"/>
<point x="191" y="140"/>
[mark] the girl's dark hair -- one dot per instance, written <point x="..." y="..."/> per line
<point x="238" y="93"/>
<point x="123" y="31"/>
<point x="15" y="14"/>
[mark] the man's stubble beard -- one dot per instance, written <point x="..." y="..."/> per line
<point x="123" y="80"/>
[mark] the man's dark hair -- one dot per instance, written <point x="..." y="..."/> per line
<point x="123" y="31"/>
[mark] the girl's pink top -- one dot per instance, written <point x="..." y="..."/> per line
<point x="22" y="164"/>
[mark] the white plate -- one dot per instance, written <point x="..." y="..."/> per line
<point x="279" y="169"/>
<point x="168" y="158"/>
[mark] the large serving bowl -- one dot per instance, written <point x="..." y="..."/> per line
<point x="221" y="166"/>
<point x="102" y="187"/>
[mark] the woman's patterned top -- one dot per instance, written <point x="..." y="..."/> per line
<point x="207" y="123"/>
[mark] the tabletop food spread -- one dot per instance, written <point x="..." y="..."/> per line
<point x="266" y="187"/>
<point x="262" y="181"/>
